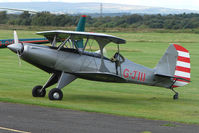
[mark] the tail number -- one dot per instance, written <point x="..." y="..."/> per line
<point x="135" y="75"/>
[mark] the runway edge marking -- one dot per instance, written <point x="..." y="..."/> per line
<point x="14" y="130"/>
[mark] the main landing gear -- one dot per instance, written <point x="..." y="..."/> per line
<point x="62" y="79"/>
<point x="54" y="94"/>
<point x="37" y="91"/>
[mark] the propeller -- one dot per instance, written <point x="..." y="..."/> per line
<point x="16" y="47"/>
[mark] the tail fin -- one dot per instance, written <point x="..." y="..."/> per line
<point x="81" y="23"/>
<point x="175" y="64"/>
<point x="81" y="27"/>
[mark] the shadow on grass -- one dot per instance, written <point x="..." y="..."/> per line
<point x="115" y="99"/>
<point x="122" y="99"/>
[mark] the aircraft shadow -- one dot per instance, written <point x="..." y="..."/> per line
<point x="116" y="99"/>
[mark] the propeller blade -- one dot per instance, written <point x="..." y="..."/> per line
<point x="15" y="37"/>
<point x="19" y="59"/>
<point x="16" y="47"/>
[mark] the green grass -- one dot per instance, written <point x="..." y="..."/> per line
<point x="113" y="98"/>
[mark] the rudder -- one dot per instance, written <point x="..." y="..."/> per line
<point x="183" y="67"/>
<point x="175" y="64"/>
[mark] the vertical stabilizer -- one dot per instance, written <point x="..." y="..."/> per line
<point x="166" y="65"/>
<point x="81" y="23"/>
<point x="81" y="27"/>
<point x="175" y="64"/>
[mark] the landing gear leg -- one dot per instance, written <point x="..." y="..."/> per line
<point x="175" y="97"/>
<point x="40" y="91"/>
<point x="65" y="79"/>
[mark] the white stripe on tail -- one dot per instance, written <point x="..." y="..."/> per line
<point x="183" y="54"/>
<point x="182" y="66"/>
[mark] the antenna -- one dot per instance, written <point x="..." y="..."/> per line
<point x="101" y="7"/>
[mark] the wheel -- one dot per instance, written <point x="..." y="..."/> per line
<point x="55" y="94"/>
<point x="36" y="91"/>
<point x="175" y="96"/>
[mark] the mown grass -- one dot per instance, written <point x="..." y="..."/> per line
<point x="113" y="98"/>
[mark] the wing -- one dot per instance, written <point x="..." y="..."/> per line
<point x="102" y="39"/>
<point x="74" y="35"/>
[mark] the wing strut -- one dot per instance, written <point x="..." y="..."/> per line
<point x="76" y="47"/>
<point x="54" y="41"/>
<point x="118" y="50"/>
<point x="85" y="44"/>
<point x="63" y="43"/>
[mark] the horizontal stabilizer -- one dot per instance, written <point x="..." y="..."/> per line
<point x="176" y="78"/>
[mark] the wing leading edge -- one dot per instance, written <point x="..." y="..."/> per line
<point x="75" y="35"/>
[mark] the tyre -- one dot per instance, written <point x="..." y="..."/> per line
<point x="175" y="97"/>
<point x="55" y="94"/>
<point x="36" y="91"/>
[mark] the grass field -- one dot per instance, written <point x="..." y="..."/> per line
<point x="120" y="99"/>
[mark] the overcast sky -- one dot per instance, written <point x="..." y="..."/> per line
<point x="178" y="4"/>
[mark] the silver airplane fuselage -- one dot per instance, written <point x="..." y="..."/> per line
<point x="86" y="65"/>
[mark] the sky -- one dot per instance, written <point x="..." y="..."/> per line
<point x="177" y="4"/>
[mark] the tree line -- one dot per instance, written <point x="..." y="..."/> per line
<point x="171" y="21"/>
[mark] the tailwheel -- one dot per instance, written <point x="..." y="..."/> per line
<point x="55" y="94"/>
<point x="175" y="97"/>
<point x="37" y="91"/>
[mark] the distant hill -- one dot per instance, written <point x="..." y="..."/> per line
<point x="92" y="8"/>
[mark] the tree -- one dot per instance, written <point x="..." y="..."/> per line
<point x="3" y="17"/>
<point x="25" y="18"/>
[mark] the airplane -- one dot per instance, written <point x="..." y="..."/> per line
<point x="5" y="42"/>
<point x="65" y="63"/>
<point x="80" y="27"/>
